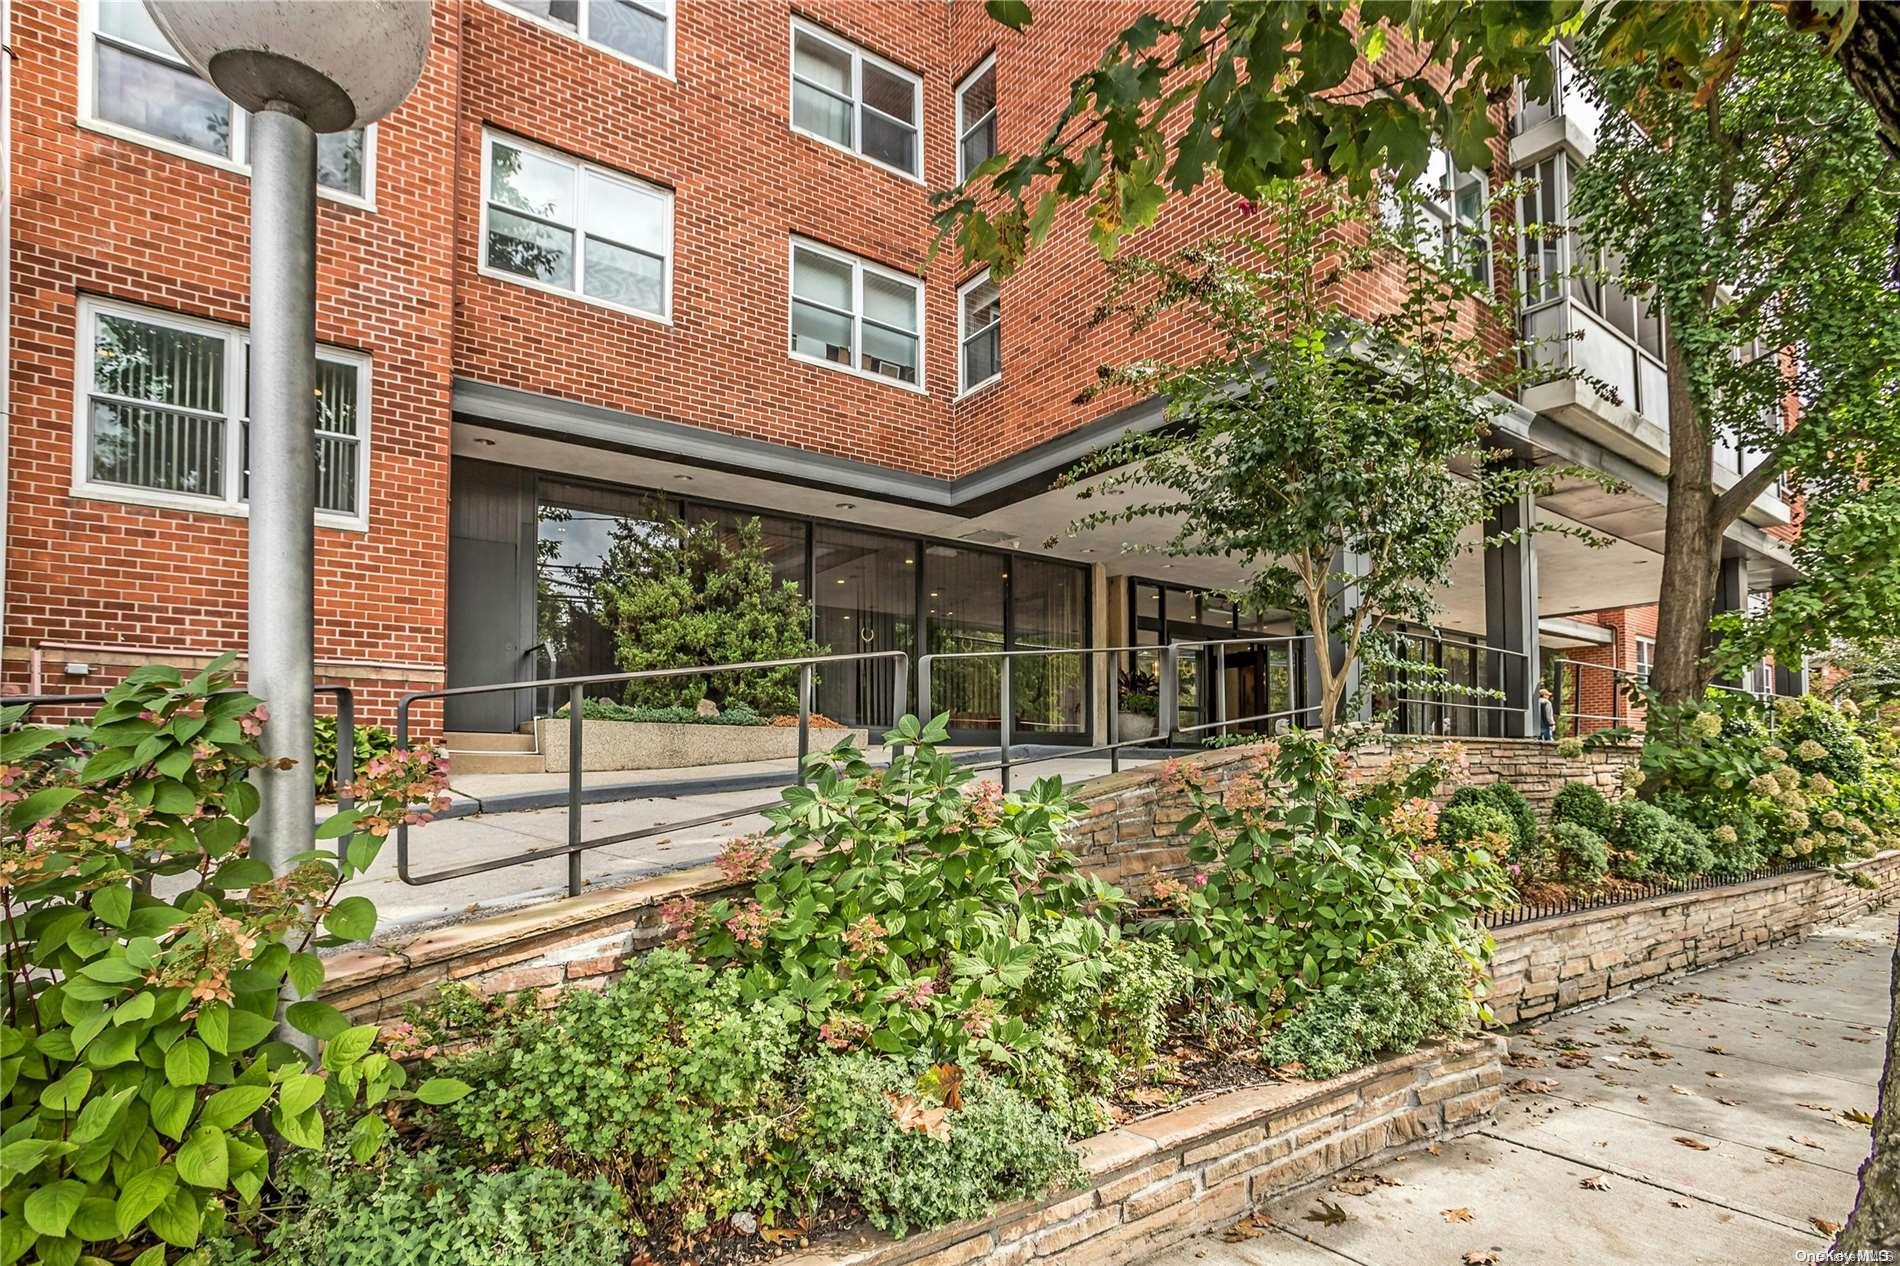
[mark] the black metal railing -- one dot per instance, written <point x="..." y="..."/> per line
<point x="576" y="687"/>
<point x="1628" y="894"/>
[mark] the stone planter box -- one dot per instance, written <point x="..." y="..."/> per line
<point x="1168" y="1178"/>
<point x="1134" y="725"/>
<point x="632" y="745"/>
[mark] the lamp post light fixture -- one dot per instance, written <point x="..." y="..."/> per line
<point x="300" y="67"/>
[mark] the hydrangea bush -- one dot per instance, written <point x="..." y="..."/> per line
<point x="138" y="1055"/>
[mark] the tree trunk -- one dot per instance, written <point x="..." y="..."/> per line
<point x="1875" y="1221"/>
<point x="1870" y="57"/>
<point x="1692" y="548"/>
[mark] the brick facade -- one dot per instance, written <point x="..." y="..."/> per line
<point x="109" y="584"/>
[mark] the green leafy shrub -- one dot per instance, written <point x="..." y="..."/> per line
<point x="668" y="1081"/>
<point x="1479" y="824"/>
<point x="136" y="1050"/>
<point x="888" y="1141"/>
<point x="1584" y="805"/>
<point x="371" y="741"/>
<point x="702" y="593"/>
<point x="1520" y="819"/>
<point x="1304" y="885"/>
<point x="1096" y="1033"/>
<point x="593" y="709"/>
<point x="423" y="1210"/>
<point x="895" y="911"/>
<point x="1820" y="739"/>
<point x="1406" y="994"/>
<point x="1571" y="853"/>
<point x="1653" y="843"/>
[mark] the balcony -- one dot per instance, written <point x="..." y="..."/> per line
<point x="1568" y="119"/>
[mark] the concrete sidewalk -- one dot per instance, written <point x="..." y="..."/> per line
<point x="1701" y="1120"/>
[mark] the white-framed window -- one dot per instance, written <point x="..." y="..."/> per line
<point x="1452" y="214"/>
<point x="133" y="85"/>
<point x="846" y="96"/>
<point x="851" y="314"/>
<point x="641" y="31"/>
<point x="979" y="333"/>
<point x="1645" y="657"/>
<point x="162" y="404"/>
<point x="556" y="223"/>
<point x="976" y="118"/>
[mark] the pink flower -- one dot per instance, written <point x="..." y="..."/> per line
<point x="914" y="994"/>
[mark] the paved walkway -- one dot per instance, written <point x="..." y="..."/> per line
<point x="1702" y="1120"/>
<point x="452" y="842"/>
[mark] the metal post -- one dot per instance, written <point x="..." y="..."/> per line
<point x="804" y="719"/>
<point x="1168" y="714"/>
<point x="283" y="373"/>
<point x="574" y="732"/>
<point x="1006" y="709"/>
<point x="344" y="769"/>
<point x="900" y="688"/>
<point x="1220" y="686"/>
<point x="1113" y="678"/>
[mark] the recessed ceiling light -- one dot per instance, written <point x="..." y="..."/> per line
<point x="910" y="562"/>
<point x="841" y="581"/>
<point x="483" y="440"/>
<point x="847" y="505"/>
<point x="685" y="479"/>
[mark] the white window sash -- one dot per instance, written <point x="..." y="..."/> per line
<point x="238" y="160"/>
<point x="229" y="499"/>
<point x="858" y="105"/>
<point x="967" y="334"/>
<point x="860" y="268"/>
<point x="965" y="125"/>
<point x="580" y="229"/>
<point x="579" y="32"/>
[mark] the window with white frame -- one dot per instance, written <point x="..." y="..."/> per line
<point x="1541" y="218"/>
<point x="854" y="99"/>
<point x="1597" y="284"/>
<point x="979" y="332"/>
<point x="162" y="414"/>
<point x="639" y="30"/>
<point x="854" y="314"/>
<point x="1645" y="657"/>
<point x="1451" y="214"/>
<point x="136" y="83"/>
<point x="976" y="118"/>
<point x="553" y="221"/>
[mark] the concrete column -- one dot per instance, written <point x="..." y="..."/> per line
<point x="1510" y="616"/>
<point x="1731" y="594"/>
<point x="1345" y="600"/>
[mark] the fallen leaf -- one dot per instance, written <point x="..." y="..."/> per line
<point x="1326" y="1213"/>
<point x="1525" y="1086"/>
<point x="1856" y="1116"/>
<point x="1431" y="1149"/>
<point x="1594" y="1183"/>
<point x="1824" y="1226"/>
<point x="1727" y="1102"/>
<point x="910" y="1114"/>
<point x="1516" y="1060"/>
<point x="1697" y="1144"/>
<point x="1573" y="1059"/>
<point x="1713" y="1073"/>
<point x="1816" y="1107"/>
<point x="1679" y="1204"/>
<point x="1481" y="1257"/>
<point x="1460" y="1214"/>
<point x="1248" y="1228"/>
<point x="1715" y="1050"/>
<point x="1805" y="1141"/>
<point x="1681" y="1090"/>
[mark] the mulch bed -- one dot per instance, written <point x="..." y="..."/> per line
<point x="1198" y="1073"/>
<point x="731" y="1247"/>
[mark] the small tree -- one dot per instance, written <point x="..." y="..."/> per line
<point x="1311" y="435"/>
<point x="702" y="593"/>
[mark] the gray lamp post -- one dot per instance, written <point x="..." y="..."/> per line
<point x="300" y="67"/>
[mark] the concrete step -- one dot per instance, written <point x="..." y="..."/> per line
<point x="462" y="763"/>
<point x="486" y="741"/>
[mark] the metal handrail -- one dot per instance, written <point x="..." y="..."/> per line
<point x="1171" y="697"/>
<point x="1502" y="708"/>
<point x="576" y="688"/>
<point x="1006" y="760"/>
<point x="1762" y="699"/>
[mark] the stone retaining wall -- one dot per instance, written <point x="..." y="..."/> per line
<point x="1129" y="836"/>
<point x="1560" y="962"/>
<point x="1170" y="1177"/>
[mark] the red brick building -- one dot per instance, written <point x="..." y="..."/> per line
<point x="613" y="264"/>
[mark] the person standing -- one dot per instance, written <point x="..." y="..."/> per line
<point x="1546" y="715"/>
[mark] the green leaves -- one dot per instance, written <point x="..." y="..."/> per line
<point x="441" y="1090"/>
<point x="142" y="1193"/>
<point x="49" y="1209"/>
<point x="187" y="1063"/>
<point x="352" y="919"/>
<point x="202" y="1161"/>
<point x="318" y="1019"/>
